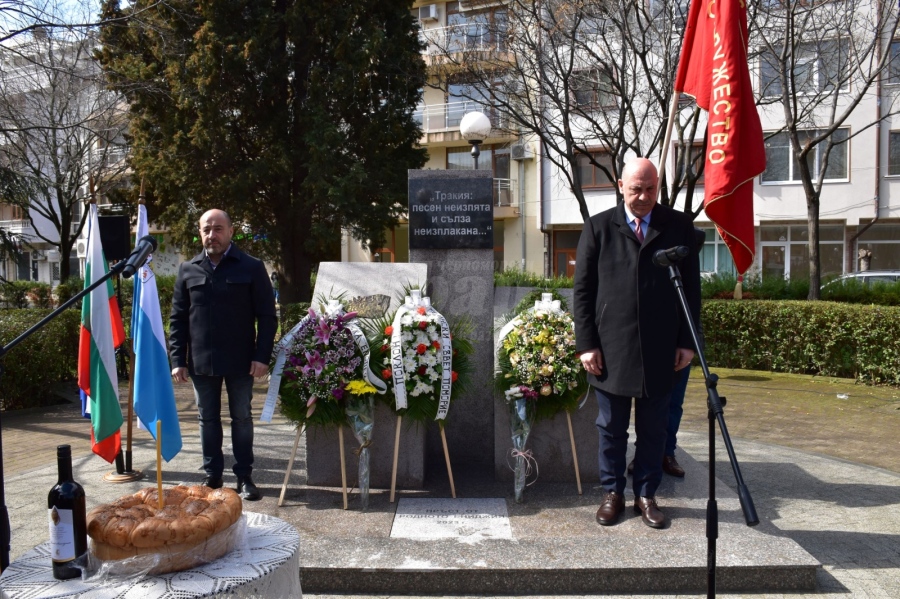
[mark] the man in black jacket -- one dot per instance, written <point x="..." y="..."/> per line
<point x="630" y="334"/>
<point x="222" y="329"/>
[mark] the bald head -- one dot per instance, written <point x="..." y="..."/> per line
<point x="638" y="186"/>
<point x="215" y="232"/>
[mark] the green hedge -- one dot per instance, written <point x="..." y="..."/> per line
<point x="822" y="338"/>
<point x="32" y="369"/>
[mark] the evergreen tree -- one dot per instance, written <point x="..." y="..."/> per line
<point x="295" y="116"/>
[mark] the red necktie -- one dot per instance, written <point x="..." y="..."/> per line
<point x="639" y="233"/>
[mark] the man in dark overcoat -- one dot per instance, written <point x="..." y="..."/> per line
<point x="222" y="329"/>
<point x="630" y="332"/>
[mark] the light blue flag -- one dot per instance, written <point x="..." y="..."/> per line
<point x="154" y="398"/>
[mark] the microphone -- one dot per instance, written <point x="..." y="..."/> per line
<point x="665" y="258"/>
<point x="145" y="246"/>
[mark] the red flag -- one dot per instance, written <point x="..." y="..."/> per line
<point x="713" y="69"/>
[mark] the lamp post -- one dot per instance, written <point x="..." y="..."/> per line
<point x="475" y="127"/>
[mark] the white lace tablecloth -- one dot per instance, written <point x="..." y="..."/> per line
<point x="270" y="568"/>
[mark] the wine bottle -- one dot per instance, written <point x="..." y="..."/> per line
<point x="68" y="520"/>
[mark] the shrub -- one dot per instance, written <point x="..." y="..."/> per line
<point x="515" y="277"/>
<point x="14" y="294"/>
<point x="822" y="338"/>
<point x="34" y="367"/>
<point x="853" y="291"/>
<point x="67" y="289"/>
<point x="721" y="286"/>
<point x="40" y="295"/>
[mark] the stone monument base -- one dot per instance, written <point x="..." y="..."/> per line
<point x="325" y="469"/>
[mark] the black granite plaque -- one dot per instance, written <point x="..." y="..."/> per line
<point x="451" y="211"/>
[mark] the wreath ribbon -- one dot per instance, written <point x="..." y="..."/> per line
<point x="398" y="372"/>
<point x="333" y="309"/>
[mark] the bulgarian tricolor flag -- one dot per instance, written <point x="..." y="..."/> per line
<point x="101" y="333"/>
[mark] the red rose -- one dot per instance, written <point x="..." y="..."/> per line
<point x="436" y="344"/>
<point x="421" y="310"/>
<point x="421" y="370"/>
<point x="385" y="348"/>
<point x="454" y="375"/>
<point x="421" y="349"/>
<point x="455" y="351"/>
<point x="389" y="331"/>
<point x="423" y="325"/>
<point x="386" y="373"/>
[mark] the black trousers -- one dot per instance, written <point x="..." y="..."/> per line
<point x="651" y="417"/>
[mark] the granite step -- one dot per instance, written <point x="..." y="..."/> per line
<point x="555" y="548"/>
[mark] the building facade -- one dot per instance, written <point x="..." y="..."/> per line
<point x="537" y="216"/>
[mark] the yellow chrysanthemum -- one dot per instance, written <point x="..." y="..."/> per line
<point x="360" y="387"/>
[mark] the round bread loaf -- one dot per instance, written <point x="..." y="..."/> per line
<point x="184" y="533"/>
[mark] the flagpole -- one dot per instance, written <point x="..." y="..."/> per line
<point x="123" y="472"/>
<point x="664" y="151"/>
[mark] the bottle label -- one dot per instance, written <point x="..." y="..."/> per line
<point x="62" y="535"/>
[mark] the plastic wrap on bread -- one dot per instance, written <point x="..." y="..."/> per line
<point x="132" y="536"/>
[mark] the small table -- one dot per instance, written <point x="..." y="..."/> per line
<point x="270" y="568"/>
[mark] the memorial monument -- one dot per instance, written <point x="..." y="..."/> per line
<point x="451" y="231"/>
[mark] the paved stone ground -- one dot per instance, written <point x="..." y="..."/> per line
<point x="822" y="468"/>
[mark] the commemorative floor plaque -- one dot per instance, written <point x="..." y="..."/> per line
<point x="464" y="519"/>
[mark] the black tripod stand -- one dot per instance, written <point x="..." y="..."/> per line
<point x="715" y="403"/>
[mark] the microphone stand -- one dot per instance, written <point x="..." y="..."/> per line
<point x="5" y="533"/>
<point x="715" y="404"/>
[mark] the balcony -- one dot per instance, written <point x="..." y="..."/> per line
<point x="111" y="157"/>
<point x="465" y="37"/>
<point x="19" y="228"/>
<point x="440" y="122"/>
<point x="506" y="198"/>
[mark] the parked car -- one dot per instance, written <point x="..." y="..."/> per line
<point x="867" y="277"/>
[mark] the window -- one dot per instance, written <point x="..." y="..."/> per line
<point x="782" y="165"/>
<point x="687" y="166"/>
<point x="715" y="255"/>
<point x="894" y="66"/>
<point x="463" y="97"/>
<point x="592" y="89"/>
<point x="785" y="250"/>
<point x="565" y="244"/>
<point x="494" y="158"/>
<point x="894" y="153"/>
<point x="883" y="240"/>
<point x="23" y="267"/>
<point x="818" y="66"/>
<point x="475" y="30"/>
<point x="591" y="176"/>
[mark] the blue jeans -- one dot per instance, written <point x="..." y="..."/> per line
<point x="676" y="408"/>
<point x="650" y="422"/>
<point x="208" y="392"/>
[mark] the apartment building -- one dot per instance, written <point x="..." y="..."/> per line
<point x="537" y="216"/>
<point x="63" y="133"/>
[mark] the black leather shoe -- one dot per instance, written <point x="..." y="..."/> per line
<point x="612" y="507"/>
<point x="650" y="512"/>
<point x="672" y="467"/>
<point x="213" y="482"/>
<point x="247" y="490"/>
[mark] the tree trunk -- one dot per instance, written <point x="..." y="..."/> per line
<point x="815" y="277"/>
<point x="296" y="262"/>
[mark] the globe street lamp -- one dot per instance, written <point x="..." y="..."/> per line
<point x="475" y="127"/>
